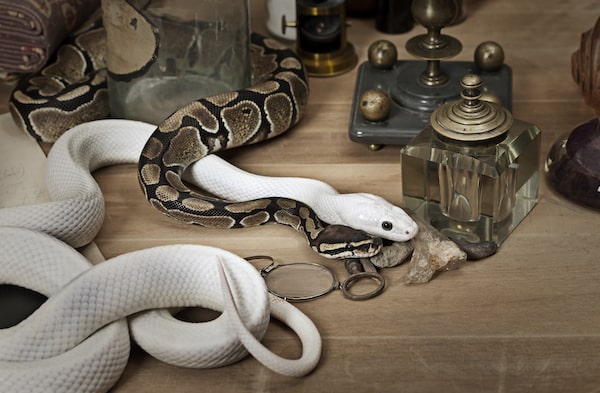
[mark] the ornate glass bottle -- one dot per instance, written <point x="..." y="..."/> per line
<point x="473" y="173"/>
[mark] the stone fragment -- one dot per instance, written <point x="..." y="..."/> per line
<point x="393" y="254"/>
<point x="433" y="252"/>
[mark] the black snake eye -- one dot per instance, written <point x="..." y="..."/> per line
<point x="387" y="226"/>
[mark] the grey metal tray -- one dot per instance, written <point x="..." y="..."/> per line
<point x="403" y="122"/>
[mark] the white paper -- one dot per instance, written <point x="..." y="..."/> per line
<point x="23" y="173"/>
<point x="22" y="167"/>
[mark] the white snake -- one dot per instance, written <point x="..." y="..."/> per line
<point x="78" y="340"/>
<point x="46" y="345"/>
<point x="368" y="212"/>
<point x="75" y="215"/>
<point x="76" y="212"/>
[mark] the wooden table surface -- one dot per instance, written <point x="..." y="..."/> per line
<point x="525" y="320"/>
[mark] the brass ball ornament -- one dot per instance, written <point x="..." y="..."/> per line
<point x="375" y="105"/>
<point x="489" y="56"/>
<point x="382" y="54"/>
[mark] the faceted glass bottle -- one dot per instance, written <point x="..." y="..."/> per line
<point x="473" y="173"/>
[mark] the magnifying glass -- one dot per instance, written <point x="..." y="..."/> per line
<point x="303" y="281"/>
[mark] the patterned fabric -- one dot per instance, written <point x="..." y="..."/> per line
<point x="31" y="30"/>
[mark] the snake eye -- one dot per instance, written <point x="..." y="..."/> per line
<point x="387" y="226"/>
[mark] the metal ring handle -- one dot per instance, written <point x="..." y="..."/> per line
<point x="345" y="287"/>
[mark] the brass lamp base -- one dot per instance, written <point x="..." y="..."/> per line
<point x="329" y="64"/>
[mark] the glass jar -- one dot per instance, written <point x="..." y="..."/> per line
<point x="473" y="173"/>
<point x="163" y="54"/>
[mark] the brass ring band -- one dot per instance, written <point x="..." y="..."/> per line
<point x="345" y="287"/>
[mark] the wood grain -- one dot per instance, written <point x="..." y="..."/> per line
<point x="524" y="320"/>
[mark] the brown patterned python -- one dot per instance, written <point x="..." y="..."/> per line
<point x="70" y="90"/>
<point x="248" y="116"/>
<point x="63" y="93"/>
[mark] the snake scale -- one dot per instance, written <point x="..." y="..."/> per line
<point x="166" y="276"/>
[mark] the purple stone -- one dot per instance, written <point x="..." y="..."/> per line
<point x="573" y="164"/>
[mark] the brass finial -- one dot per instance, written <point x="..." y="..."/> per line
<point x="433" y="46"/>
<point x="471" y="119"/>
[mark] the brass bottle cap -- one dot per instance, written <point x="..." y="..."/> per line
<point x="471" y="119"/>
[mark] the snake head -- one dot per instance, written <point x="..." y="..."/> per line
<point x="378" y="217"/>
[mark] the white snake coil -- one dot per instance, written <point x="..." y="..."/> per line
<point x="78" y="338"/>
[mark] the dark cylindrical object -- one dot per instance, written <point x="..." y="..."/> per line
<point x="361" y="8"/>
<point x="394" y="16"/>
<point x="321" y="26"/>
